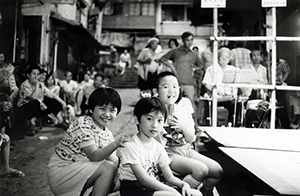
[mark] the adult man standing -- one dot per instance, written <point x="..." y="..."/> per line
<point x="185" y="61"/>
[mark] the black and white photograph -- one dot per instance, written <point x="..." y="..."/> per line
<point x="149" y="97"/>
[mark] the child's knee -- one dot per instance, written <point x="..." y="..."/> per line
<point x="108" y="166"/>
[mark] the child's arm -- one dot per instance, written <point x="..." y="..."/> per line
<point x="98" y="154"/>
<point x="188" y="132"/>
<point x="149" y="181"/>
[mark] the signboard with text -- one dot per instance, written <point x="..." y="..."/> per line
<point x="273" y="3"/>
<point x="213" y="3"/>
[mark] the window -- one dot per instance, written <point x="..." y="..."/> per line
<point x="113" y="8"/>
<point x="176" y="12"/>
<point x="142" y="8"/>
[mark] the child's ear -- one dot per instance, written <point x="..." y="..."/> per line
<point x="136" y="121"/>
<point x="155" y="92"/>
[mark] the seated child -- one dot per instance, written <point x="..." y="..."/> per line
<point x="86" y="157"/>
<point x="179" y="135"/>
<point x="143" y="159"/>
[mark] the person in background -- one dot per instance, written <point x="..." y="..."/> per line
<point x="261" y="74"/>
<point x="125" y="61"/>
<point x="84" y="94"/>
<point x="224" y="56"/>
<point x="143" y="159"/>
<point x="196" y="49"/>
<point x="84" y="162"/>
<point x="69" y="90"/>
<point x="114" y="57"/>
<point x="173" y="43"/>
<point x="148" y="67"/>
<point x="179" y="135"/>
<point x="185" y="61"/>
<point x="52" y="85"/>
<point x="7" y="79"/>
<point x="9" y="93"/>
<point x="54" y="104"/>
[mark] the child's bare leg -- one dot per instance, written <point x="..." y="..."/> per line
<point x="194" y="171"/>
<point x="215" y="171"/>
<point x="4" y="160"/>
<point x="101" y="180"/>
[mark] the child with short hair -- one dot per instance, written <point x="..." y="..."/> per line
<point x="86" y="157"/>
<point x="142" y="159"/>
<point x="179" y="135"/>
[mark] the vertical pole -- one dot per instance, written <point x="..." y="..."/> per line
<point x="15" y="32"/>
<point x="274" y="49"/>
<point x="215" y="64"/>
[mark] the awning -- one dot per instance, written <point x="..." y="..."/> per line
<point x="85" y="38"/>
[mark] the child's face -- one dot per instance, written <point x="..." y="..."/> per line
<point x="33" y="76"/>
<point x="168" y="90"/>
<point x="104" y="115"/>
<point x="151" y="124"/>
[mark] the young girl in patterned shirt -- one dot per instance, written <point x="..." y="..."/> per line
<point x="180" y="134"/>
<point x="85" y="157"/>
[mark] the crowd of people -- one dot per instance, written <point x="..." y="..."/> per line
<point x="89" y="160"/>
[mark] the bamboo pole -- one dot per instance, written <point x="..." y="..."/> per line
<point x="215" y="64"/>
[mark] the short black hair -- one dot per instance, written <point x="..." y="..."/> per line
<point x="158" y="78"/>
<point x="173" y="40"/>
<point x="147" y="105"/>
<point x="33" y="66"/>
<point x="186" y="34"/>
<point x="105" y="96"/>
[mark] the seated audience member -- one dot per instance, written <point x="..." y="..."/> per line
<point x="8" y="93"/>
<point x="86" y="80"/>
<point x="50" y="99"/>
<point x="84" y="94"/>
<point x="69" y="90"/>
<point x="31" y="103"/>
<point x="7" y="78"/>
<point x="224" y="56"/>
<point x="51" y="84"/>
<point x="261" y="75"/>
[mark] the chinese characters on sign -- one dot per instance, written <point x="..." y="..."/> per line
<point x="213" y="3"/>
<point x="273" y="3"/>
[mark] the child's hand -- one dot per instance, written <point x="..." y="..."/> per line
<point x="188" y="191"/>
<point x="123" y="139"/>
<point x="175" y="123"/>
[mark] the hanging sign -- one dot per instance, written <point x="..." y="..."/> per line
<point x="213" y="3"/>
<point x="273" y="3"/>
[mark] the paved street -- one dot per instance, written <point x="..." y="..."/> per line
<point x="31" y="155"/>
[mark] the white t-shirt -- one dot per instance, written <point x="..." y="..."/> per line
<point x="69" y="87"/>
<point x="135" y="153"/>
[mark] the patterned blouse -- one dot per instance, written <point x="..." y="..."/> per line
<point x="82" y="132"/>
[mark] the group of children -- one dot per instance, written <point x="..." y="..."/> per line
<point x="90" y="161"/>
